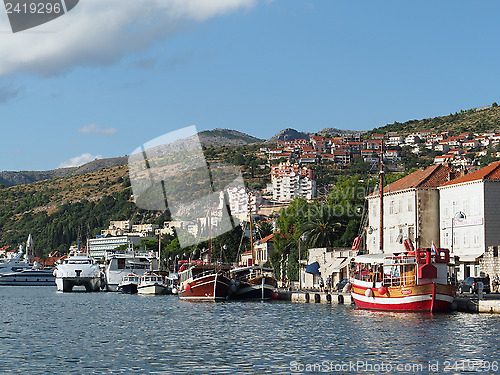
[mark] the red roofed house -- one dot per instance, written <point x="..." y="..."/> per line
<point x="470" y="214"/>
<point x="263" y="250"/>
<point x="411" y="210"/>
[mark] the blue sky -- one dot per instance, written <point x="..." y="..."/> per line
<point x="109" y="76"/>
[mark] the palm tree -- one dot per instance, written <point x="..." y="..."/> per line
<point x="323" y="230"/>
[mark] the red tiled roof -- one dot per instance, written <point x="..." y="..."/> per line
<point x="490" y="172"/>
<point x="432" y="176"/>
<point x="268" y="238"/>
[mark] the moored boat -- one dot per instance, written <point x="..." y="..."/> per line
<point x="253" y="283"/>
<point x="119" y="265"/>
<point x="129" y="284"/>
<point x="152" y="283"/>
<point x="34" y="276"/>
<point x="78" y="269"/>
<point x="407" y="281"/>
<point x="204" y="282"/>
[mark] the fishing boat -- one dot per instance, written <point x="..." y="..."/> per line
<point x="129" y="284"/>
<point x="253" y="283"/>
<point x="199" y="281"/>
<point x="410" y="280"/>
<point x="152" y="283"/>
<point x="407" y="281"/>
<point x="78" y="269"/>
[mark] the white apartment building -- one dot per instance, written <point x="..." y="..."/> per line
<point x="291" y="181"/>
<point x="470" y="215"/>
<point x="411" y="210"/>
<point x="239" y="203"/>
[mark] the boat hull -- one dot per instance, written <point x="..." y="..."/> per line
<point x="213" y="287"/>
<point x="153" y="289"/>
<point x="262" y="288"/>
<point x="29" y="278"/>
<point x="128" y="288"/>
<point x="66" y="284"/>
<point x="430" y="297"/>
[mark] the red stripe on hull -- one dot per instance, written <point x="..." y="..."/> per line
<point x="439" y="305"/>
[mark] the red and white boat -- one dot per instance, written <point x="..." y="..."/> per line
<point x="407" y="281"/>
<point x="204" y="282"/>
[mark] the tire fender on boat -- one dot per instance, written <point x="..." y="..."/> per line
<point x="369" y="292"/>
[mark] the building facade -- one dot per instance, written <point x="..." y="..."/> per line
<point x="470" y="216"/>
<point x="411" y="211"/>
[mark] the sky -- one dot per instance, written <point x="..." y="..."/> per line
<point x="111" y="75"/>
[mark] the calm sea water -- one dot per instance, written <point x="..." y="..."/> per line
<point x="45" y="332"/>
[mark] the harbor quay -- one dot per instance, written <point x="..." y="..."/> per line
<point x="489" y="304"/>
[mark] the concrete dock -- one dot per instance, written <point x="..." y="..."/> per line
<point x="465" y="303"/>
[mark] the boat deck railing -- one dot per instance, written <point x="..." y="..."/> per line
<point x="399" y="280"/>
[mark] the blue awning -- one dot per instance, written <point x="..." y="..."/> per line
<point x="313" y="268"/>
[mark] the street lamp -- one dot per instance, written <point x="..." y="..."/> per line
<point x="302" y="238"/>
<point x="458" y="216"/>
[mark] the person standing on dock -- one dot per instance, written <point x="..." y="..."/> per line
<point x="321" y="285"/>
<point x="329" y="283"/>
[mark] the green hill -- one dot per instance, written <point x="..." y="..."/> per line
<point x="478" y="120"/>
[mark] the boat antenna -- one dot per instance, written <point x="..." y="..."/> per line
<point x="381" y="190"/>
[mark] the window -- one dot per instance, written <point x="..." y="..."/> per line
<point x="400" y="205"/>
<point x="391" y="207"/>
<point x="446" y="210"/>
<point x="410" y="205"/>
<point x="446" y="239"/>
<point x="465" y="206"/>
<point x="411" y="233"/>
<point x="475" y="237"/>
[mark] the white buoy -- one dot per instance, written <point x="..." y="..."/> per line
<point x="369" y="292"/>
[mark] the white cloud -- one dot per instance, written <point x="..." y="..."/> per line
<point x="79" y="160"/>
<point x="96" y="129"/>
<point x="98" y="32"/>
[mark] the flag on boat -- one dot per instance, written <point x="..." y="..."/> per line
<point x="434" y="248"/>
<point x="408" y="245"/>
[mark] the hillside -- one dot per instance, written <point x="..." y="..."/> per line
<point x="56" y="210"/>
<point x="478" y="120"/>
<point x="226" y="137"/>
<point x="216" y="137"/>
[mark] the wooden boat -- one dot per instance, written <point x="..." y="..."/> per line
<point x="407" y="281"/>
<point x="253" y="283"/>
<point x="200" y="281"/>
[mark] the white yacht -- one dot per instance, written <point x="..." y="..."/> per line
<point x="35" y="276"/>
<point x="14" y="263"/>
<point x="78" y="269"/>
<point x="119" y="265"/>
<point x="18" y="262"/>
<point x="152" y="283"/>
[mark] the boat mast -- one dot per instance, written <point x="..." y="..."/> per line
<point x="381" y="194"/>
<point x="251" y="231"/>
<point x="209" y="228"/>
